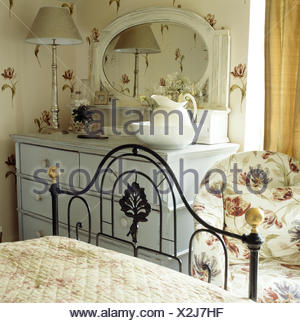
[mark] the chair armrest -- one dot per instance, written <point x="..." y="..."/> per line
<point x="210" y="208"/>
<point x="208" y="252"/>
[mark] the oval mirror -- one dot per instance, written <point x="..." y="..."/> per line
<point x="164" y="51"/>
<point x="160" y="57"/>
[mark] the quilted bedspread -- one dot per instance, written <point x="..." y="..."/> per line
<point x="58" y="269"/>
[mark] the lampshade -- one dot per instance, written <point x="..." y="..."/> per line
<point x="54" y="23"/>
<point x="138" y="39"/>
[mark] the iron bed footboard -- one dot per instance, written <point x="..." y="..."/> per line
<point x="134" y="204"/>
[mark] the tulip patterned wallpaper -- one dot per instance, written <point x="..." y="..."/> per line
<point x="25" y="70"/>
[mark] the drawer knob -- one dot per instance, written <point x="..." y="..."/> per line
<point x="38" y="197"/>
<point x="46" y="163"/>
<point x="124" y="223"/>
<point x="40" y="234"/>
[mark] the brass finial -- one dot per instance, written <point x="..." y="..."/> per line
<point x="53" y="172"/>
<point x="254" y="217"/>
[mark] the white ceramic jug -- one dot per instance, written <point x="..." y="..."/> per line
<point x="173" y="130"/>
<point x="165" y="104"/>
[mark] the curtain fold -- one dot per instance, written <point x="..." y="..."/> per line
<point x="282" y="77"/>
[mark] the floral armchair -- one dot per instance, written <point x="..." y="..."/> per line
<point x="270" y="181"/>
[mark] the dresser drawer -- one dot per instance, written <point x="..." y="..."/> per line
<point x="36" y="227"/>
<point x="89" y="164"/>
<point x="36" y="198"/>
<point x="34" y="201"/>
<point x="37" y="160"/>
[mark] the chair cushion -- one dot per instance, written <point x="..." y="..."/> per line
<point x="277" y="282"/>
<point x="267" y="180"/>
<point x="280" y="228"/>
<point x="270" y="181"/>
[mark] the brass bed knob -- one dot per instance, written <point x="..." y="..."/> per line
<point x="53" y="173"/>
<point x="254" y="217"/>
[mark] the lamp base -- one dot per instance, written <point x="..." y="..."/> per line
<point x="54" y="113"/>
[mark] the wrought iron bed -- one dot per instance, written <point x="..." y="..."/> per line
<point x="134" y="204"/>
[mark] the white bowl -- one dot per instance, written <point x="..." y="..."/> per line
<point x="161" y="139"/>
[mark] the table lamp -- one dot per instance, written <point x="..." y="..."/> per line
<point x="137" y="40"/>
<point x="54" y="26"/>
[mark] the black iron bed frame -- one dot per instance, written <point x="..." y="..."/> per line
<point x="134" y="205"/>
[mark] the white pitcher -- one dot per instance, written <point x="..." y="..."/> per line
<point x="166" y="104"/>
<point x="178" y="129"/>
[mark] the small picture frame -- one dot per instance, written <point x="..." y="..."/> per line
<point x="101" y="97"/>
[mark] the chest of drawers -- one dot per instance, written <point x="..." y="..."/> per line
<point x="78" y="160"/>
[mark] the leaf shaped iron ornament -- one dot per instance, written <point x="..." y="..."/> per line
<point x="135" y="205"/>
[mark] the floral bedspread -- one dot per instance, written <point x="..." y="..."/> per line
<point x="59" y="269"/>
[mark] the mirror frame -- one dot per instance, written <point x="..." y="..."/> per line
<point x="217" y="42"/>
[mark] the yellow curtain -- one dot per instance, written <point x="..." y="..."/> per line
<point x="282" y="76"/>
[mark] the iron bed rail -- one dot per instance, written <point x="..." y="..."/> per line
<point x="134" y="204"/>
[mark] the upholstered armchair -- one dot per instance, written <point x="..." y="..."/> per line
<point x="270" y="181"/>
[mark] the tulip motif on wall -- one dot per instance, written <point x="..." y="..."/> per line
<point x="178" y="6"/>
<point x="9" y="76"/>
<point x="70" y="78"/>
<point x="36" y="53"/>
<point x="11" y="162"/>
<point x="124" y="81"/>
<point x="44" y="121"/>
<point x="239" y="73"/>
<point x="11" y="4"/>
<point x="210" y="18"/>
<point x="69" y="6"/>
<point x="163" y="27"/>
<point x="92" y="39"/>
<point x="179" y="57"/>
<point x="117" y="4"/>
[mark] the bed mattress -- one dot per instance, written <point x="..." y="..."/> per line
<point x="59" y="269"/>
